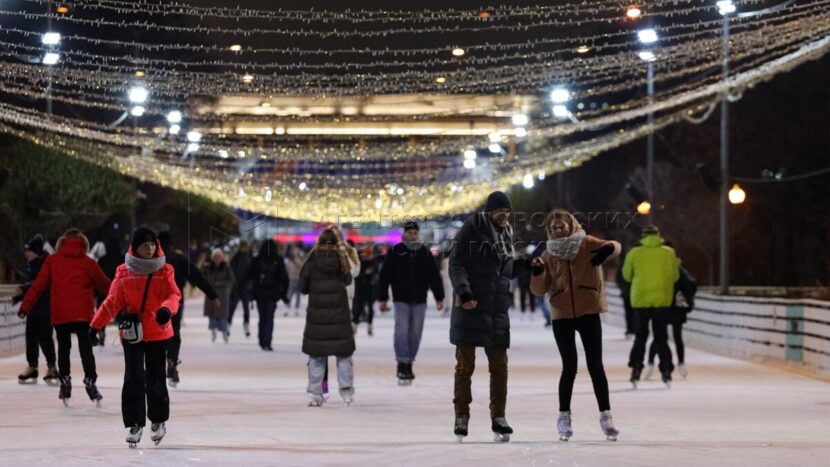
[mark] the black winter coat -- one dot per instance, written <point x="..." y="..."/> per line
<point x="328" y="323"/>
<point x="411" y="274"/>
<point x="478" y="270"/>
<point x="41" y="308"/>
<point x="184" y="271"/>
<point x="268" y="279"/>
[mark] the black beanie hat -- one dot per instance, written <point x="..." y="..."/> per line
<point x="497" y="200"/>
<point x="142" y="235"/>
<point x="411" y="225"/>
<point x="35" y="245"/>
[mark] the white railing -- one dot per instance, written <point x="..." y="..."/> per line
<point x="12" y="328"/>
<point x="786" y="330"/>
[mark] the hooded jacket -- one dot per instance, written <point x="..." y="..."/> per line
<point x="652" y="269"/>
<point x="127" y="292"/>
<point x="71" y="277"/>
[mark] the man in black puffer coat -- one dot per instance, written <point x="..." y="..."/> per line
<point x="481" y="267"/>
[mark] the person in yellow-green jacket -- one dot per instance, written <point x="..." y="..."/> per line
<point x="652" y="270"/>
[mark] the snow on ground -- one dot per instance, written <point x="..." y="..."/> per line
<point x="239" y="405"/>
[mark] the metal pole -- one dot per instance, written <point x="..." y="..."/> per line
<point x="49" y="68"/>
<point x="650" y="147"/>
<point x="724" y="168"/>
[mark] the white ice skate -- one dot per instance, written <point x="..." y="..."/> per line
<point x="157" y="432"/>
<point x="647" y="373"/>
<point x="315" y="400"/>
<point x="347" y="398"/>
<point x="606" y="422"/>
<point x="563" y="424"/>
<point x="134" y="435"/>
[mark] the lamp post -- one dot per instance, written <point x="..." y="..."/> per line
<point x="725" y="7"/>
<point x="649" y="37"/>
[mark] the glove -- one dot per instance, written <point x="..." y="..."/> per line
<point x="21" y="314"/>
<point x="93" y="336"/>
<point x="466" y="297"/>
<point x="601" y="254"/>
<point x="537" y="269"/>
<point x="163" y="315"/>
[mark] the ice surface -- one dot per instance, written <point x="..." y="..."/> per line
<point x="239" y="405"/>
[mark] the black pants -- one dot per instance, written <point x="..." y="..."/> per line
<point x="81" y="330"/>
<point x="658" y="317"/>
<point x="175" y="342"/>
<point x="39" y="336"/>
<point x="266" y="310"/>
<point x="525" y="295"/>
<point x="630" y="320"/>
<point x="144" y="379"/>
<point x="589" y="328"/>
<point x="363" y="302"/>
<point x="677" y="334"/>
<point x="234" y="300"/>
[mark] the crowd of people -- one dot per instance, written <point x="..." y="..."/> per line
<point x="144" y="291"/>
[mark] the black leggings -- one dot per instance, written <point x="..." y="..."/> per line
<point x="81" y="330"/>
<point x="677" y="334"/>
<point x="39" y="336"/>
<point x="589" y="328"/>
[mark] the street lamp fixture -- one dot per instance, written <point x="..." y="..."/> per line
<point x="737" y="195"/>
<point x="51" y="38"/>
<point x="644" y="208"/>
<point x="647" y="36"/>
<point x="194" y="136"/>
<point x="560" y="96"/>
<point x="137" y="94"/>
<point x="647" y="56"/>
<point x="137" y="111"/>
<point x="174" y="116"/>
<point x="633" y="12"/>
<point x="726" y="7"/>
<point x="520" y="119"/>
<point x="51" y="58"/>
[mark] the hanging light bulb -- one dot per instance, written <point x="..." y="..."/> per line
<point x="174" y="129"/>
<point x="527" y="181"/>
<point x="520" y="119"/>
<point x="644" y="208"/>
<point x="174" y="116"/>
<point x="737" y="195"/>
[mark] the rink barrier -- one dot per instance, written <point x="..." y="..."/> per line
<point x="795" y="331"/>
<point x="12" y="329"/>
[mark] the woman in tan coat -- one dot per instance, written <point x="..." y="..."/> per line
<point x="570" y="270"/>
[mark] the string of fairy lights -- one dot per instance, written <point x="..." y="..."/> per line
<point x="588" y="81"/>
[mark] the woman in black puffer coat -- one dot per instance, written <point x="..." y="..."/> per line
<point x="328" y="328"/>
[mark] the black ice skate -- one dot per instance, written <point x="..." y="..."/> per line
<point x="52" y="377"/>
<point x="667" y="379"/>
<point x="635" y="375"/>
<point x="29" y="376"/>
<point x="157" y="432"/>
<point x="173" y="372"/>
<point x="403" y="375"/>
<point x="65" y="392"/>
<point x="461" y="427"/>
<point x="501" y="430"/>
<point x="92" y="391"/>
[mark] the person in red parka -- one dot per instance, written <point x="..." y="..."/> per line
<point x="71" y="277"/>
<point x="144" y="285"/>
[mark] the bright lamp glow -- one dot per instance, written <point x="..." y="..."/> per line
<point x="527" y="181"/>
<point x="644" y="208"/>
<point x="737" y="195"/>
<point x="726" y="7"/>
<point x="469" y="164"/>
<point x="647" y="56"/>
<point x="137" y="94"/>
<point x="194" y="136"/>
<point x="560" y="96"/>
<point x="224" y="154"/>
<point x="175" y="129"/>
<point x="633" y="12"/>
<point x="647" y="36"/>
<point x="137" y="111"/>
<point x="520" y="132"/>
<point x="560" y="111"/>
<point x="174" y="116"/>
<point x="520" y="119"/>
<point x="458" y="52"/>
<point x="51" y="38"/>
<point x="51" y="58"/>
<point x="192" y="147"/>
<point x="494" y="137"/>
<point x="470" y="154"/>
<point x="495" y="148"/>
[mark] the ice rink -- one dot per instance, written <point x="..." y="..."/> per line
<point x="239" y="405"/>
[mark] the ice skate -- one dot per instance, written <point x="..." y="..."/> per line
<point x="213" y="335"/>
<point x="134" y="435"/>
<point x="667" y="379"/>
<point x="370" y="330"/>
<point x="29" y="376"/>
<point x="52" y="378"/>
<point x="315" y="400"/>
<point x="606" y="422"/>
<point x="226" y="336"/>
<point x="173" y="372"/>
<point x="247" y="329"/>
<point x="563" y="424"/>
<point x="347" y="398"/>
<point x="403" y="375"/>
<point x="65" y="392"/>
<point x="635" y="376"/>
<point x="461" y="427"/>
<point x="648" y="372"/>
<point x="157" y="432"/>
<point x="92" y="391"/>
<point x="501" y="430"/>
<point x="681" y="368"/>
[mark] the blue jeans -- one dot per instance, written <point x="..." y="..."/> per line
<point x="266" y="310"/>
<point x="409" y="326"/>
<point x="543" y="304"/>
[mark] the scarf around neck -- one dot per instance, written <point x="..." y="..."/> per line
<point x="566" y="248"/>
<point x="138" y="265"/>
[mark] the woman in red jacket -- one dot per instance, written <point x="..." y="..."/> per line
<point x="71" y="276"/>
<point x="145" y="286"/>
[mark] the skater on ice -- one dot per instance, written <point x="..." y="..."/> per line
<point x="221" y="277"/>
<point x="144" y="296"/>
<point x="481" y="267"/>
<point x="570" y="269"/>
<point x="411" y="271"/>
<point x="269" y="282"/>
<point x="328" y="325"/>
<point x="71" y="277"/>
